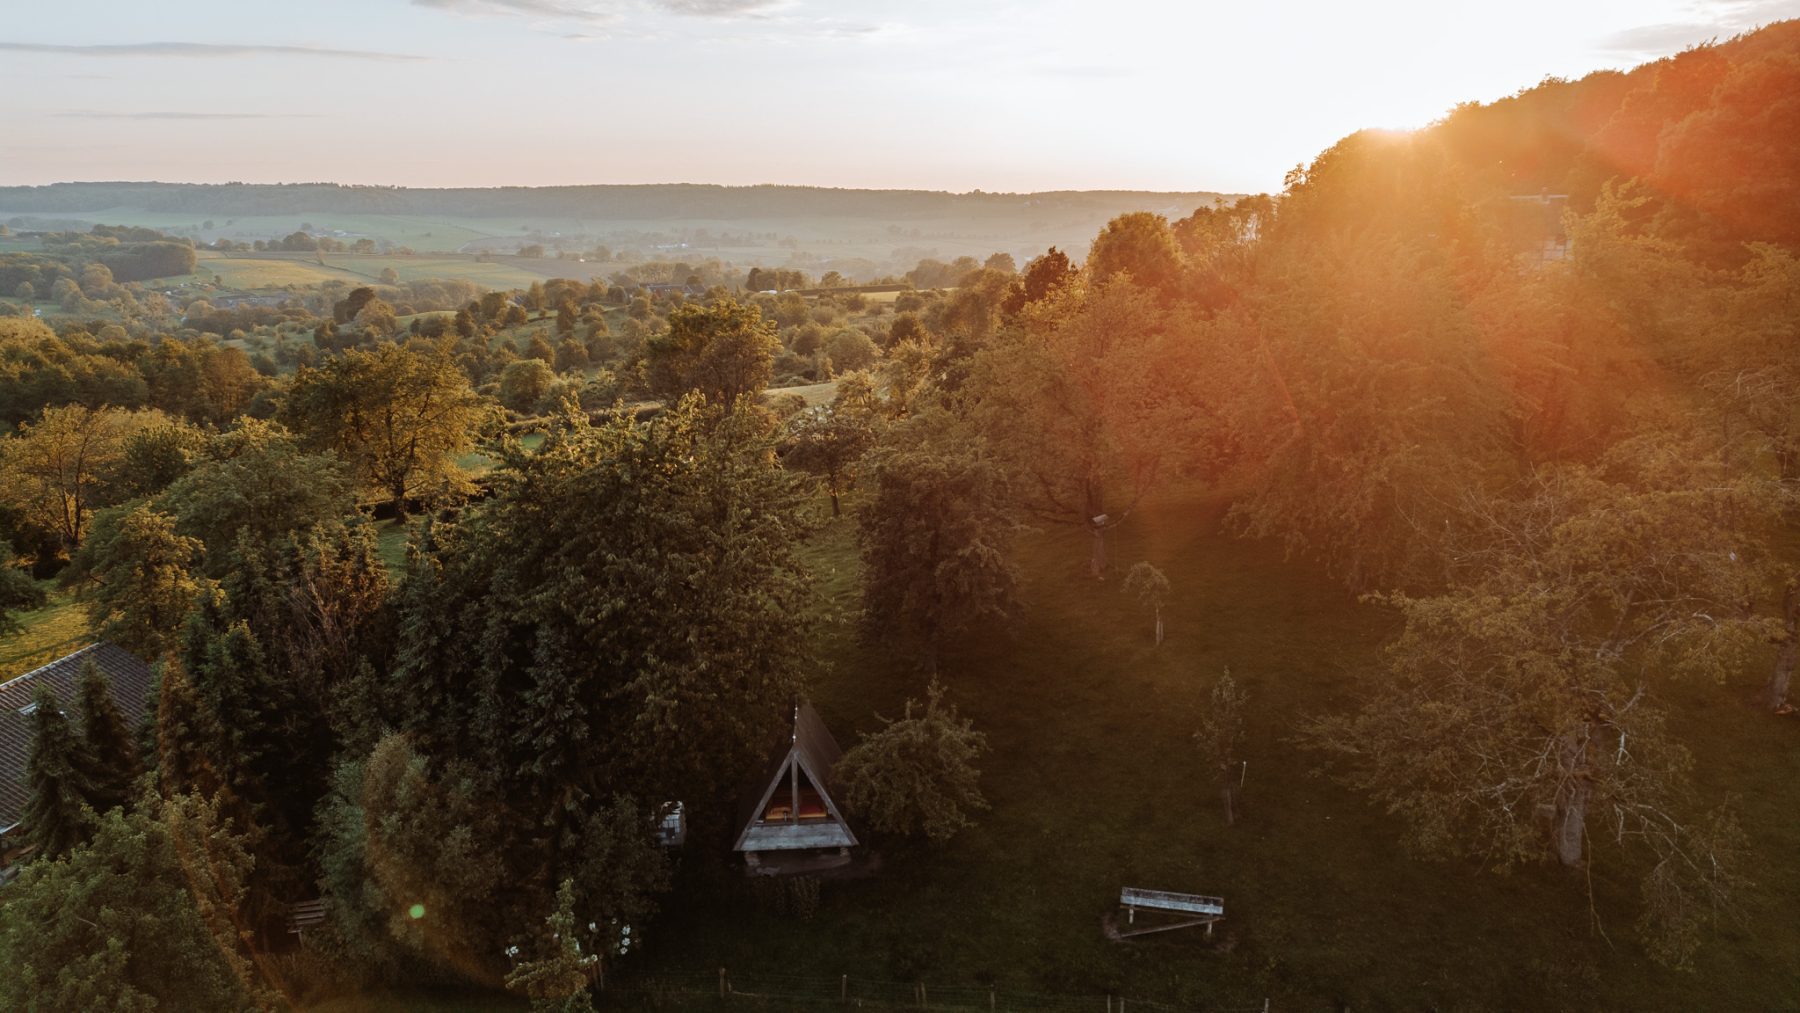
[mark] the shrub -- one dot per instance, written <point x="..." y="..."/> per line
<point x="917" y="775"/>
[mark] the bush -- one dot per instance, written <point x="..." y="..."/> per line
<point x="917" y="775"/>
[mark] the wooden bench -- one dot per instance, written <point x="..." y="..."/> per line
<point x="305" y="915"/>
<point x="1187" y="910"/>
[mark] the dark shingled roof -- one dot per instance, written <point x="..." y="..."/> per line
<point x="128" y="676"/>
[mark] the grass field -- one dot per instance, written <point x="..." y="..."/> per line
<point x="279" y="270"/>
<point x="46" y="634"/>
<point x="1095" y="785"/>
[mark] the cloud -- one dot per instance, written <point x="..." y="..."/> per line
<point x="1093" y="72"/>
<point x="1710" y="19"/>
<point x="591" y="13"/>
<point x="101" y="114"/>
<point x="719" y="8"/>
<point x="200" y="49"/>
<point x="605" y="11"/>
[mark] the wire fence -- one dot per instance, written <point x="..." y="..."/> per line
<point x="728" y="990"/>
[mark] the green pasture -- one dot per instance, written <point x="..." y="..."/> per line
<point x="1095" y="785"/>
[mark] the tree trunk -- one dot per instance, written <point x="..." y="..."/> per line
<point x="1788" y="651"/>
<point x="834" y="502"/>
<point x="1571" y="826"/>
<point x="1159" y="626"/>
<point x="1097" y="561"/>
<point x="1228" y="792"/>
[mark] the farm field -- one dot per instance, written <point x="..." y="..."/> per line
<point x="254" y="271"/>
<point x="813" y="241"/>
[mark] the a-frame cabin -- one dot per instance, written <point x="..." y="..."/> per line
<point x="793" y="823"/>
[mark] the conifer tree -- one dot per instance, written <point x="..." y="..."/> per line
<point x="108" y="740"/>
<point x="59" y="773"/>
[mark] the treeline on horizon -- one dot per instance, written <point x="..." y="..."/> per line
<point x="605" y="201"/>
<point x="1570" y="475"/>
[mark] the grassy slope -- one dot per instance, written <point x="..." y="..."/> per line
<point x="46" y="634"/>
<point x="1094" y="785"/>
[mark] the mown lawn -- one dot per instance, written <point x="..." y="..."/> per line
<point x="1095" y="785"/>
<point x="45" y="634"/>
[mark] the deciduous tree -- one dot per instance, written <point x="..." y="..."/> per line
<point x="917" y="775"/>
<point x="399" y="416"/>
<point x="724" y="350"/>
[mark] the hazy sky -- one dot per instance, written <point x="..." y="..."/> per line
<point x="1056" y="94"/>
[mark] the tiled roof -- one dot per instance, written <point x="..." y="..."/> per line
<point x="130" y="681"/>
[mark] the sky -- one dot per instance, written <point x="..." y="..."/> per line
<point x="930" y="94"/>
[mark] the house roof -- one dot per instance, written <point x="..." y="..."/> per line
<point x="128" y="676"/>
<point x="811" y="745"/>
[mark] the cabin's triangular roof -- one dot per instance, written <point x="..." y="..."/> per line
<point x="811" y="746"/>
<point x="126" y="674"/>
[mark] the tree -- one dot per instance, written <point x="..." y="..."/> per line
<point x="60" y="469"/>
<point x="725" y="350"/>
<point x="136" y="579"/>
<point x="144" y="917"/>
<point x="1141" y="245"/>
<point x="849" y="349"/>
<point x="377" y="320"/>
<point x="319" y="601"/>
<point x="917" y="775"/>
<point x="60" y="775"/>
<point x="398" y="416"/>
<point x="524" y="384"/>
<point x="1496" y="733"/>
<point x="1151" y="589"/>
<point x="395" y="836"/>
<point x="625" y="615"/>
<point x="255" y="483"/>
<point x="1086" y="399"/>
<point x="935" y="535"/>
<point x="829" y="441"/>
<point x="538" y="348"/>
<point x="1221" y="733"/>
<point x="557" y="982"/>
<point x="1516" y="711"/>
<point x="108" y="740"/>
<point x="18" y="592"/>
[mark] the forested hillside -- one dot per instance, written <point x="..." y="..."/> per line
<point x="1411" y="557"/>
